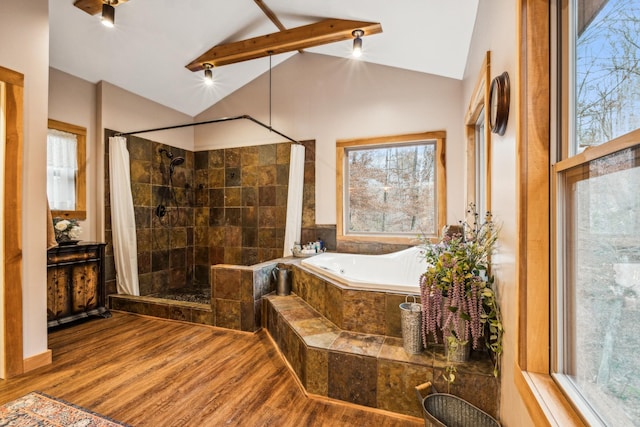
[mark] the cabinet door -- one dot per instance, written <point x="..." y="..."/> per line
<point x="58" y="298"/>
<point x="85" y="287"/>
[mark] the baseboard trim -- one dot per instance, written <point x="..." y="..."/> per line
<point x="37" y="361"/>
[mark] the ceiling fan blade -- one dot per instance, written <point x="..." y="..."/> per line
<point x="93" y="7"/>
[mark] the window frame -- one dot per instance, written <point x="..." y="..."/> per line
<point x="81" y="183"/>
<point x="13" y="146"/>
<point x="479" y="104"/>
<point x="559" y="169"/>
<point x="341" y="148"/>
<point x="541" y="395"/>
<point x="544" y="399"/>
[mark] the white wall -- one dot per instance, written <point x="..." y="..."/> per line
<point x="496" y="31"/>
<point x="327" y="98"/>
<point x="24" y="47"/>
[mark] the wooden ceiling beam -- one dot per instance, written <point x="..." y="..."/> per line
<point x="272" y="17"/>
<point x="319" y="33"/>
<point x="93" y="7"/>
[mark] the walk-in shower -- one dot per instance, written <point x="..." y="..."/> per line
<point x="198" y="209"/>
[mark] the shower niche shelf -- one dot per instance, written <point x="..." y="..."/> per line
<point x="75" y="283"/>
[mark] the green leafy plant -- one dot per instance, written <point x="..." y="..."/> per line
<point x="457" y="292"/>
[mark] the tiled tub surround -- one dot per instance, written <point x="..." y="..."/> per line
<point x="347" y="345"/>
<point x="353" y="310"/>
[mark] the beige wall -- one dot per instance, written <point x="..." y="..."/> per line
<point x="73" y="100"/>
<point x="100" y="106"/>
<point x="326" y="98"/>
<point x="24" y="47"/>
<point x="501" y="41"/>
<point x="123" y="111"/>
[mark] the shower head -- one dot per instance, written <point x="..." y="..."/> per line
<point x="175" y="162"/>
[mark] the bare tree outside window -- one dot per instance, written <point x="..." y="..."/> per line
<point x="391" y="189"/>
<point x="607" y="76"/>
<point x="598" y="231"/>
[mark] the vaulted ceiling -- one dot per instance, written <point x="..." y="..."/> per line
<point x="147" y="51"/>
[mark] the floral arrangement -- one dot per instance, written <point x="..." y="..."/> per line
<point x="66" y="230"/>
<point x="456" y="290"/>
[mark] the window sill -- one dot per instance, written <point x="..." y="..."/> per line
<point x="395" y="240"/>
<point x="544" y="400"/>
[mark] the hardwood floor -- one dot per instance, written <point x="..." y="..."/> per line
<point x="153" y="372"/>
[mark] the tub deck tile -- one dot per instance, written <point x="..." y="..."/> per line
<point x="364" y="344"/>
<point x="295" y="314"/>
<point x="317" y="331"/>
<point x="282" y="304"/>
<point x="393" y="350"/>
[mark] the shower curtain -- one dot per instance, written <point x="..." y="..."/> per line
<point x="123" y="222"/>
<point x="294" y="198"/>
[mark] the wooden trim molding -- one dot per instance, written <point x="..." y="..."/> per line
<point x="479" y="101"/>
<point x="38" y="361"/>
<point x="12" y="227"/>
<point x="533" y="147"/>
<point x="542" y="396"/>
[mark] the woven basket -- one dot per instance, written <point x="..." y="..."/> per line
<point x="411" y="321"/>
<point x="447" y="410"/>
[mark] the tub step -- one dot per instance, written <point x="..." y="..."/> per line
<point x="366" y="369"/>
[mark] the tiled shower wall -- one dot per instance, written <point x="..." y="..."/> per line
<point x="246" y="201"/>
<point x="225" y="206"/>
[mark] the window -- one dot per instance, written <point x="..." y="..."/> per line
<point x="391" y="187"/>
<point x="66" y="163"/>
<point x="62" y="167"/>
<point x="597" y="233"/>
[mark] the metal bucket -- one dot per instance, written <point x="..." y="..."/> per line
<point x="282" y="275"/>
<point x="442" y="410"/>
<point x="411" y="321"/>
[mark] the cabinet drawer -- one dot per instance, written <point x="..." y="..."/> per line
<point x="63" y="257"/>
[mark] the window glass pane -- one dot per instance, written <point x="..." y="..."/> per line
<point x="601" y="305"/>
<point x="391" y="189"/>
<point x="607" y="60"/>
<point x="480" y="166"/>
<point x="62" y="167"/>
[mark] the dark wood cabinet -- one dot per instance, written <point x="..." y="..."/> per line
<point x="75" y="283"/>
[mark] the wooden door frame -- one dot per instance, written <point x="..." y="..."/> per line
<point x="12" y="289"/>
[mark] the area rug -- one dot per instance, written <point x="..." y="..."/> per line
<point x="39" y="409"/>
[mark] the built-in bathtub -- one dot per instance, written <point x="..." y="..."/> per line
<point x="395" y="272"/>
<point x="341" y="333"/>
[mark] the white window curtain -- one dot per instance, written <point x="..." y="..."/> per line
<point x="123" y="222"/>
<point x="62" y="164"/>
<point x="293" y="226"/>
